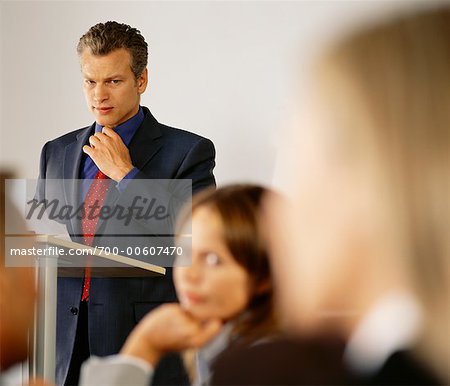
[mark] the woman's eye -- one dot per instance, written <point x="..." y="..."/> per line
<point x="212" y="259"/>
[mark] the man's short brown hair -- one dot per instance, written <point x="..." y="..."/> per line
<point x="104" y="38"/>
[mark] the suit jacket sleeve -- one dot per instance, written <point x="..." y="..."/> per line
<point x="40" y="188"/>
<point x="198" y="165"/>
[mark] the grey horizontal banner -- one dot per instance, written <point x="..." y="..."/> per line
<point x="134" y="220"/>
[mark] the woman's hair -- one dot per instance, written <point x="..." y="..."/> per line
<point x="239" y="210"/>
<point x="389" y="89"/>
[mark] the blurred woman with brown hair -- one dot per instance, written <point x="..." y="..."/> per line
<point x="229" y="276"/>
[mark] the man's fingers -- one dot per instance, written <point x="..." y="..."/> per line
<point x="94" y="141"/>
<point x="208" y="331"/>
<point x="88" y="150"/>
<point x="101" y="137"/>
<point x="110" y="132"/>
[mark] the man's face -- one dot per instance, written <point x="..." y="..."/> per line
<point x="111" y="89"/>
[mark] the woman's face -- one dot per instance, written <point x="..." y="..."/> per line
<point x="318" y="243"/>
<point x="214" y="285"/>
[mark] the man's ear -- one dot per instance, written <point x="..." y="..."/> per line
<point x="142" y="81"/>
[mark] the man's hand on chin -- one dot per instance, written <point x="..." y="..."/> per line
<point x="109" y="153"/>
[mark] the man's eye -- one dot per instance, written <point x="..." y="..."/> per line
<point x="115" y="81"/>
<point x="212" y="259"/>
<point x="89" y="82"/>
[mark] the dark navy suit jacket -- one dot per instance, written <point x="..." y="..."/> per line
<point x="117" y="304"/>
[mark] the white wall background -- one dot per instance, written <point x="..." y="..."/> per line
<point x="228" y="70"/>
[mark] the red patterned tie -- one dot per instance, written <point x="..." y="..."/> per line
<point x="92" y="206"/>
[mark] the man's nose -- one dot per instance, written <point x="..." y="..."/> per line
<point x="100" y="93"/>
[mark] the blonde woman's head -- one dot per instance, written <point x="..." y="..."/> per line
<point x="372" y="208"/>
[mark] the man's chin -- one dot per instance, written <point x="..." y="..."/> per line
<point x="105" y="122"/>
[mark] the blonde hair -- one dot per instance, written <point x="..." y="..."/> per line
<point x="390" y="89"/>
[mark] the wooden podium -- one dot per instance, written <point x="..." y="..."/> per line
<point x="43" y="337"/>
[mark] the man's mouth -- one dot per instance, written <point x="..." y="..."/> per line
<point x="103" y="110"/>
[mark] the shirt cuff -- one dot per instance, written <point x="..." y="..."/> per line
<point x="115" y="370"/>
<point x="123" y="183"/>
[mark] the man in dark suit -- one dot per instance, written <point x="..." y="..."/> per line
<point x="125" y="145"/>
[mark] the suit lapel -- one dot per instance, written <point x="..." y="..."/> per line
<point x="71" y="170"/>
<point x="146" y="142"/>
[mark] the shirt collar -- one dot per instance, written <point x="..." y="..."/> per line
<point x="392" y="324"/>
<point x="127" y="129"/>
